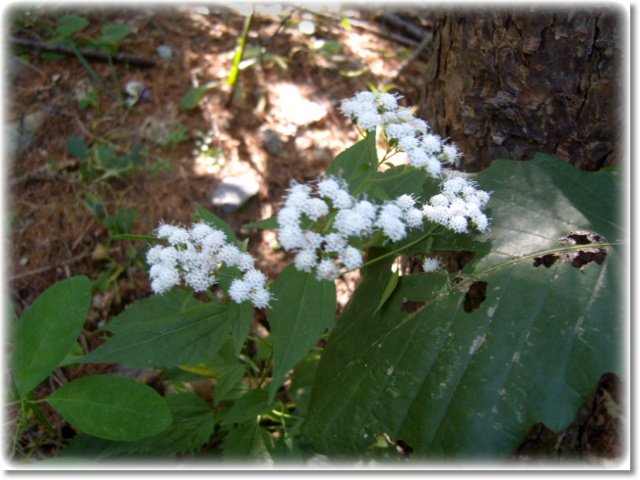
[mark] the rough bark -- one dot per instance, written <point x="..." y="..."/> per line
<point x="512" y="82"/>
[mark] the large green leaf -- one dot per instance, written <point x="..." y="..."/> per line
<point x="466" y="377"/>
<point x="304" y="308"/>
<point x="191" y="427"/>
<point x="112" y="407"/>
<point x="48" y="331"/>
<point x="147" y="337"/>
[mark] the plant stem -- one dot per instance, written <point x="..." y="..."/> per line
<point x="431" y="232"/>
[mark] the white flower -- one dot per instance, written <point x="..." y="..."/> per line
<point x="179" y="236"/>
<point x="390" y="224"/>
<point x="254" y="278"/>
<point x="454" y="184"/>
<point x="239" y="290"/>
<point x="154" y="255"/>
<point x="198" y="280"/>
<point x="315" y="208"/>
<point x="312" y="240"/>
<point x="229" y="254"/>
<point x="366" y="209"/>
<point x="405" y="202"/>
<point x="399" y="130"/>
<point x="244" y="262"/>
<point x="407" y="143"/>
<point x="433" y="167"/>
<point x="306" y="260"/>
<point x="419" y="125"/>
<point x="413" y="217"/>
<point x="458" y="223"/>
<point x="458" y="207"/>
<point x="388" y="101"/>
<point x="163" y="278"/>
<point x="418" y="158"/>
<point x="327" y="270"/>
<point x="481" y="221"/>
<point x="439" y="200"/>
<point x="200" y="231"/>
<point x="260" y="297"/>
<point x="450" y="153"/>
<point x="291" y="238"/>
<point x="334" y="242"/>
<point x="405" y="113"/>
<point x="431" y="143"/>
<point x="352" y="258"/>
<point x="288" y="217"/>
<point x="366" y="97"/>
<point x="483" y="197"/>
<point x="329" y="187"/>
<point x="350" y="222"/>
<point x="212" y="242"/>
<point x="342" y="199"/>
<point x="368" y="120"/>
<point x="431" y="265"/>
<point x="169" y="256"/>
<point x="165" y="230"/>
<point x="298" y="195"/>
<point x="437" y="214"/>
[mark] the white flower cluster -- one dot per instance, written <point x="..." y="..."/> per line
<point x="327" y="206"/>
<point x="458" y="204"/>
<point x="405" y="132"/>
<point x="195" y="255"/>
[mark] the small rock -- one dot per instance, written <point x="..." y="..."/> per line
<point x="272" y="142"/>
<point x="234" y="192"/>
<point x="164" y="51"/>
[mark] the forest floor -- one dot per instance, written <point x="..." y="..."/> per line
<point x="280" y="123"/>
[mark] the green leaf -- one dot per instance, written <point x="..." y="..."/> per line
<point x="217" y="222"/>
<point x="193" y="96"/>
<point x="48" y="331"/>
<point x="112" y="34"/>
<point x="304" y="308"/>
<point x="391" y="286"/>
<point x="355" y="163"/>
<point x="242" y="315"/>
<point x="166" y="339"/>
<point x="270" y="223"/>
<point x="191" y="427"/>
<point x="111" y="407"/>
<point x="468" y="373"/>
<point x="77" y="147"/>
<point x="251" y="443"/>
<point x="70" y="24"/>
<point x="248" y="407"/>
<point x="227" y="383"/>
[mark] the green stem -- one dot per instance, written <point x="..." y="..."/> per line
<point x="431" y="232"/>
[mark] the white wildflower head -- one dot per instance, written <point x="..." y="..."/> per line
<point x="194" y="257"/>
<point x="431" y="265"/>
<point x="327" y="270"/>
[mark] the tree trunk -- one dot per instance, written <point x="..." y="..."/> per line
<point x="509" y="83"/>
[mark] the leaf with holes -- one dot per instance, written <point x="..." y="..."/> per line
<point x="502" y="344"/>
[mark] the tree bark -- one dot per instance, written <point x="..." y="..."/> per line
<point x="510" y="83"/>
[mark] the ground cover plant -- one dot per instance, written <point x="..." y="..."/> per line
<point x="482" y="304"/>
